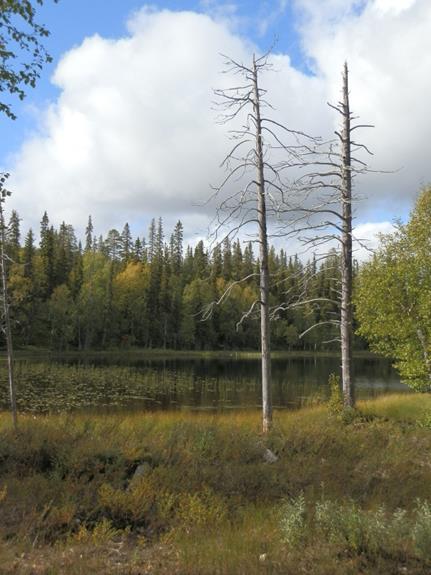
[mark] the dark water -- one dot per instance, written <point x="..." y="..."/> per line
<point x="130" y="381"/>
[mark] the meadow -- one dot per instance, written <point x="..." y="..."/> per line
<point x="194" y="493"/>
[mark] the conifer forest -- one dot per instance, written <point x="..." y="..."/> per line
<point x="152" y="292"/>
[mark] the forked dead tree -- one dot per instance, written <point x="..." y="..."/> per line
<point x="253" y="190"/>
<point x="6" y="323"/>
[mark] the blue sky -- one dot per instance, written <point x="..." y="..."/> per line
<point x="70" y="21"/>
<point x="121" y="126"/>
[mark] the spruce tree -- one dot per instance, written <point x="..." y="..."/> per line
<point x="126" y="243"/>
<point x="13" y="237"/>
<point x="89" y="235"/>
<point x="29" y="252"/>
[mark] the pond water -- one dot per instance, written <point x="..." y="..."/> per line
<point x="132" y="381"/>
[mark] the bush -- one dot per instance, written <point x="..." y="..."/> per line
<point x="421" y="531"/>
<point x="373" y="533"/>
<point x="293" y="522"/>
<point x="335" y="401"/>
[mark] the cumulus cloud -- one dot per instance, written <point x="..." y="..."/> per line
<point x="133" y="132"/>
<point x="388" y="47"/>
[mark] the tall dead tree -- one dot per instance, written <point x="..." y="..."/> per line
<point x="263" y="256"/>
<point x="6" y="324"/>
<point x="346" y="316"/>
<point x="253" y="190"/>
<point x="321" y="201"/>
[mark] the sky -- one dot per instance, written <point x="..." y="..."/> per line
<point x="122" y="124"/>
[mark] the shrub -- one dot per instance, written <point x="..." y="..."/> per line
<point x="102" y="532"/>
<point x="373" y="533"/>
<point x="421" y="531"/>
<point x="335" y="401"/>
<point x="201" y="509"/>
<point x="293" y="522"/>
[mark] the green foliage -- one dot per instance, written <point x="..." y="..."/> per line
<point x="393" y="297"/>
<point x="20" y="35"/>
<point x="373" y="532"/>
<point x="335" y="401"/>
<point x="421" y="530"/>
<point x="123" y="292"/>
<point x="293" y="522"/>
<point x="425" y="421"/>
<point x="349" y="528"/>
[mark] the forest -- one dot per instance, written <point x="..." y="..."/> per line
<point x="151" y="292"/>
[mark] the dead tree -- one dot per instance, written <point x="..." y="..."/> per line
<point x="263" y="258"/>
<point x="321" y="203"/>
<point x="252" y="191"/>
<point x="5" y="300"/>
<point x="346" y="315"/>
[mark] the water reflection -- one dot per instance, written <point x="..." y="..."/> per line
<point x="131" y="381"/>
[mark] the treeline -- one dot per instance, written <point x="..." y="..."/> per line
<point x="150" y="292"/>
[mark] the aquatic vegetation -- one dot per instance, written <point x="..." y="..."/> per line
<point x="135" y="381"/>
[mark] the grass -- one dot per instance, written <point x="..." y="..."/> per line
<point x="399" y="407"/>
<point x="344" y="497"/>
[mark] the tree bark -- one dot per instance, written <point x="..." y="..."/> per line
<point x="264" y="270"/>
<point x="346" y="333"/>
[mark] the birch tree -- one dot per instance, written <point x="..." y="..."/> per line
<point x="6" y="323"/>
<point x="22" y="53"/>
<point x="393" y="297"/>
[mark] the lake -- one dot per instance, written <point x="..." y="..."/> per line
<point x="135" y="381"/>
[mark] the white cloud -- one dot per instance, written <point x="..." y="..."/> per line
<point x="389" y="56"/>
<point x="393" y="6"/>
<point x="133" y="132"/>
<point x="366" y="238"/>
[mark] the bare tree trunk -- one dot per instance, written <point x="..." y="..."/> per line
<point x="346" y="255"/>
<point x="6" y="316"/>
<point x="258" y="181"/>
<point x="264" y="270"/>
